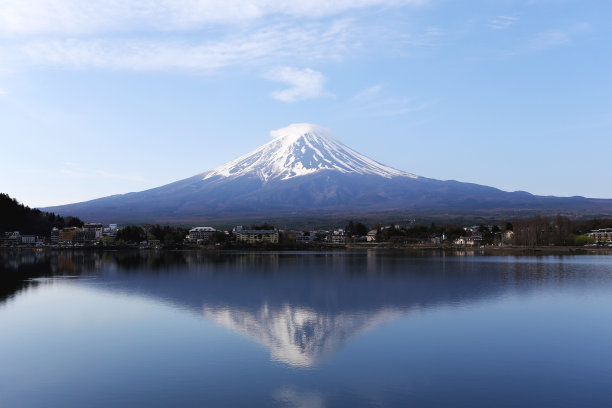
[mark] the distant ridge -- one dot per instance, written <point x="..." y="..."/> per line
<point x="306" y="172"/>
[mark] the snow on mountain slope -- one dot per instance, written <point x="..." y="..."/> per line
<point x="298" y="150"/>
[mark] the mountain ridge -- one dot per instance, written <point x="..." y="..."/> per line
<point x="306" y="171"/>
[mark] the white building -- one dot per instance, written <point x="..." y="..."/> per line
<point x="54" y="236"/>
<point x="469" y="241"/>
<point x="337" y="237"/>
<point x="603" y="235"/>
<point x="200" y="234"/>
<point x="28" y="239"/>
<point x="254" y="236"/>
<point x="110" y="230"/>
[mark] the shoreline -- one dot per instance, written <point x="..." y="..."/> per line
<point x="351" y="247"/>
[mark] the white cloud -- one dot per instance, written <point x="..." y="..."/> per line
<point x="189" y="35"/>
<point x="303" y="84"/>
<point x="201" y="36"/>
<point x="73" y="17"/>
<point x="502" y="22"/>
<point x="374" y="101"/>
<point x="311" y="42"/>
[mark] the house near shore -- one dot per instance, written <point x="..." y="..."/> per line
<point x="469" y="241"/>
<point x="200" y="235"/>
<point x="256" y="236"/>
<point x="305" y="237"/>
<point x="338" y="237"/>
<point x="602" y="236"/>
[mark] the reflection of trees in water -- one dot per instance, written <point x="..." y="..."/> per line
<point x="20" y="268"/>
<point x="521" y="273"/>
<point x="16" y="275"/>
<point x="129" y="260"/>
<point x="154" y="260"/>
<point x="302" y="307"/>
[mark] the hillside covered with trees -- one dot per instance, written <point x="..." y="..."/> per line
<point x="15" y="216"/>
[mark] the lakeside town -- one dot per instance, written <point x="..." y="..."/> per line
<point x="21" y="226"/>
<point x="531" y="232"/>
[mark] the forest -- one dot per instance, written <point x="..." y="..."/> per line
<point x="15" y="216"/>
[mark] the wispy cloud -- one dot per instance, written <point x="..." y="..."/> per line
<point x="502" y="22"/>
<point x="75" y="170"/>
<point x="189" y="35"/>
<point x="75" y="17"/>
<point x="548" y="39"/>
<point x="303" y="84"/>
<point x="374" y="101"/>
<point x="556" y="37"/>
<point x="313" y="41"/>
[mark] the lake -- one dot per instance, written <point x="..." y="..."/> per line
<point x="282" y="329"/>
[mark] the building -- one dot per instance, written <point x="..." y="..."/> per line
<point x="603" y="235"/>
<point x="507" y="236"/>
<point x="86" y="236"/>
<point x="97" y="229"/>
<point x="110" y="231"/>
<point x="469" y="241"/>
<point x="54" y="236"/>
<point x="338" y="237"/>
<point x="12" y="238"/>
<point x="256" y="236"/>
<point x="460" y="241"/>
<point x="66" y="235"/>
<point x="305" y="238"/>
<point x="371" y="236"/>
<point x="28" y="239"/>
<point x="200" y="234"/>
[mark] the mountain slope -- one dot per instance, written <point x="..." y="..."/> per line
<point x="305" y="171"/>
<point x="298" y="150"/>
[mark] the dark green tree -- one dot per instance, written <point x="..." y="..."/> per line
<point x="131" y="233"/>
<point x="356" y="229"/>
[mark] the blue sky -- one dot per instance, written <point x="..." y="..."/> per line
<point x="104" y="97"/>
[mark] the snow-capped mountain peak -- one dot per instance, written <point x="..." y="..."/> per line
<point x="298" y="150"/>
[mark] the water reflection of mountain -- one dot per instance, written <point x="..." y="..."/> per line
<point x="301" y="306"/>
<point x="295" y="335"/>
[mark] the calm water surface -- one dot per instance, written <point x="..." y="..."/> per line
<point x="191" y="329"/>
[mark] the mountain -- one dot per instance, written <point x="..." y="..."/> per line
<point x="306" y="172"/>
<point x="299" y="150"/>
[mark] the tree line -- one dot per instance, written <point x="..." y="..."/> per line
<point x="560" y="230"/>
<point x="15" y="216"/>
